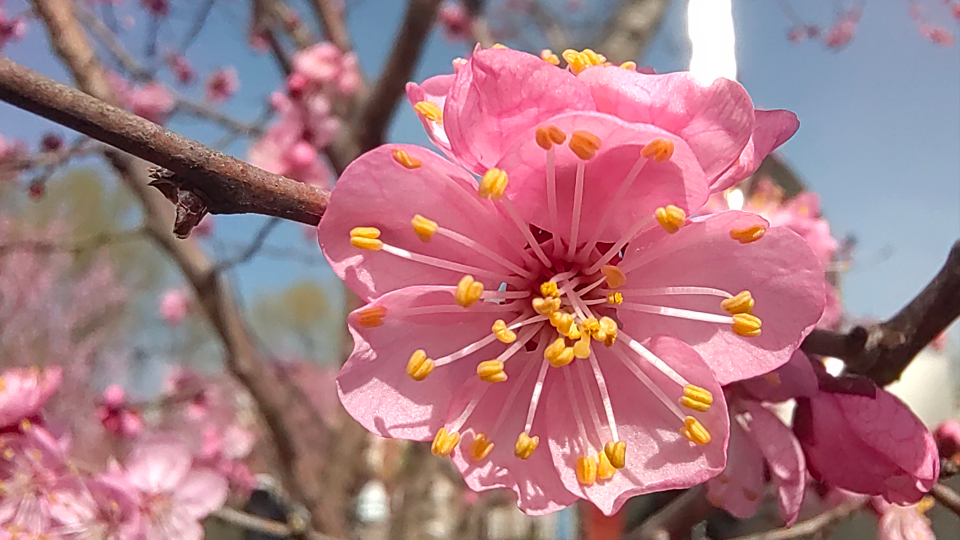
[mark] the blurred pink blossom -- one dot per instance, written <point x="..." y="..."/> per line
<point x="31" y="471"/>
<point x="903" y="522"/>
<point x="947" y="436"/>
<point x="324" y="65"/>
<point x="151" y="101"/>
<point x="841" y="33"/>
<point x="937" y="35"/>
<point x="96" y="509"/>
<point x="11" y="28"/>
<point x="205" y="227"/>
<point x="222" y="84"/>
<point x="23" y="391"/>
<point x="289" y="146"/>
<point x="116" y="415"/>
<point x="157" y="8"/>
<point x="174" y="306"/>
<point x="454" y="20"/>
<point x="181" y="67"/>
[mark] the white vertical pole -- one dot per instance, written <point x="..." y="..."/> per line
<point x="713" y="41"/>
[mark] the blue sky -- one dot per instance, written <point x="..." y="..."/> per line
<point x="879" y="137"/>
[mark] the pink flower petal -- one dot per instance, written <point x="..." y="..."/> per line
<point x="374" y="386"/>
<point x="24" y="391"/>
<point x="502" y="93"/>
<point x="783" y="454"/>
<point x="739" y="489"/>
<point x="794" y="379"/>
<point x="658" y="457"/>
<point x="678" y="181"/>
<point x="772" y="129"/>
<point x="201" y="492"/>
<point x="716" y="121"/>
<point x="377" y="191"/>
<point x="156" y="467"/>
<point x="781" y="273"/>
<point x="434" y="90"/>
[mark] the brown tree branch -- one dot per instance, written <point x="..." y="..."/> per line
<point x="378" y="108"/>
<point x="332" y="24"/>
<point x="227" y="185"/>
<point x="812" y="525"/>
<point x="882" y="351"/>
<point x="631" y="27"/>
<point x="946" y="496"/>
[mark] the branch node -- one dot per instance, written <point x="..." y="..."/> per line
<point x="191" y="205"/>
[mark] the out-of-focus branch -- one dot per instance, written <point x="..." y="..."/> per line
<point x="332" y="24"/>
<point x="75" y="246"/>
<point x="813" y="525"/>
<point x="631" y="27"/>
<point x="544" y="20"/>
<point x="949" y="498"/>
<point x="676" y="518"/>
<point x="377" y="110"/>
<point x="226" y="185"/>
<point x="882" y="351"/>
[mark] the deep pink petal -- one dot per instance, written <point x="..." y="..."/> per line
<point x="377" y="191"/>
<point x="374" y="386"/>
<point x="794" y="379"/>
<point x="500" y="94"/>
<point x="875" y="446"/>
<point x="783" y="454"/>
<point x="679" y="181"/>
<point x="716" y="120"/>
<point x="772" y="129"/>
<point x="535" y="481"/>
<point x="658" y="457"/>
<point x="740" y="487"/>
<point x="785" y="279"/>
<point x="434" y="90"/>
<point x="24" y="391"/>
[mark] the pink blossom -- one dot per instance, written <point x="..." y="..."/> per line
<point x="174" y="306"/>
<point x="151" y="101"/>
<point x="289" y="147"/>
<point x="181" y="68"/>
<point x="116" y="415"/>
<point x="612" y="307"/>
<point x="205" y="227"/>
<point x="903" y="522"/>
<point x="455" y="20"/>
<point x="173" y="496"/>
<point x="325" y="66"/>
<point x="841" y="33"/>
<point x="101" y="508"/>
<point x="11" y="29"/>
<point x="157" y="8"/>
<point x="955" y="9"/>
<point x="222" y="84"/>
<point x="31" y="471"/>
<point x="23" y="391"/>
<point x="947" y="436"/>
<point x="869" y="445"/>
<point x="937" y="35"/>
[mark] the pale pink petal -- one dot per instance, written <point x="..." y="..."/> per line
<point x="535" y="481"/>
<point x="678" y="181"/>
<point x="201" y="492"/>
<point x="904" y="523"/>
<point x="500" y="94"/>
<point x="156" y="467"/>
<point x="716" y="120"/>
<point x="377" y="191"/>
<point x="24" y="391"/>
<point x="875" y="446"/>
<point x="658" y="457"/>
<point x="374" y="386"/>
<point x="740" y="487"/>
<point x="434" y="90"/>
<point x="781" y="273"/>
<point x="783" y="454"/>
<point x="794" y="379"/>
<point x="772" y="129"/>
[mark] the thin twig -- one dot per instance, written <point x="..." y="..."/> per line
<point x="676" y="518"/>
<point x="946" y="496"/>
<point x="812" y="525"/>
<point x="198" y="22"/>
<point x="252" y="249"/>
<point x="251" y="522"/>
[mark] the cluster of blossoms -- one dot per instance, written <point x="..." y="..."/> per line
<point x="558" y="280"/>
<point x="844" y="26"/>
<point x="172" y="475"/>
<point x="305" y="122"/>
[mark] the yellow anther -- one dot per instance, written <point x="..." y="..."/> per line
<point x="547" y="56"/>
<point x="469" y="291"/>
<point x="694" y="431"/>
<point x="423" y="227"/>
<point x="741" y="303"/>
<point x="26" y="425"/>
<point x="615" y="276"/>
<point x="8" y="454"/>
<point x="749" y="234"/>
<point x="632" y="66"/>
<point x="371" y="317"/>
<point x="616" y="452"/>
<point x="491" y="371"/>
<point x="581" y="349"/>
<point x="587" y="470"/>
<point x="504" y="334"/>
<point x="545" y="306"/>
<point x="773" y="378"/>
<point x="925" y="505"/>
<point x="579" y="61"/>
<point x="670" y="218"/>
<point x="696" y="398"/>
<point x="405" y="159"/>
<point x="444" y="442"/>
<point x="584" y="144"/>
<point x="547" y="136"/>
<point x="614" y="298"/>
<point x="493" y="184"/>
<point x="525" y="445"/>
<point x="499" y="46"/>
<point x="419" y="366"/>
<point x="591" y="326"/>
<point x="429" y="110"/>
<point x="366" y="238"/>
<point x="562" y="321"/>
<point x="574" y="333"/>
<point x="481" y="447"/>
<point x="607" y="332"/>
<point x="746" y="325"/>
<point x="558" y="354"/>
<point x="605" y="470"/>
<point x="549" y="288"/>
<point x="458" y="63"/>
<point x="658" y="150"/>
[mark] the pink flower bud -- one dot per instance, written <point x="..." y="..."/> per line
<point x="947" y="436"/>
